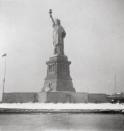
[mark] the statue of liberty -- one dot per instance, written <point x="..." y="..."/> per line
<point x="58" y="35"/>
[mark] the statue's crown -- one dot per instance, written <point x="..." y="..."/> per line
<point x="57" y="21"/>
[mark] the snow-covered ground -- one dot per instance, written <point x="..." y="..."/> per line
<point x="105" y="106"/>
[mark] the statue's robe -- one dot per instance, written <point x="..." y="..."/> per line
<point x="58" y="36"/>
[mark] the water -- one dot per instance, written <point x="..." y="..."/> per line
<point x="60" y="122"/>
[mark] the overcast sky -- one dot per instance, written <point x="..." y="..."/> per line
<point x="94" y="43"/>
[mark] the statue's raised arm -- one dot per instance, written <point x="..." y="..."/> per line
<point x="58" y="35"/>
<point x="50" y="12"/>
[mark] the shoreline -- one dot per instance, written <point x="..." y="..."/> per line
<point x="28" y="111"/>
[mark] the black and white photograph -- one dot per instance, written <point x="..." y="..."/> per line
<point x="61" y="65"/>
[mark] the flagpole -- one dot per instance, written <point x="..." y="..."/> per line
<point x="4" y="75"/>
<point x="115" y="83"/>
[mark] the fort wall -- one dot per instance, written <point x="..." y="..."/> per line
<point x="55" y="97"/>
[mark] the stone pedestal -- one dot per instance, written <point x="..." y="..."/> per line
<point x="58" y="75"/>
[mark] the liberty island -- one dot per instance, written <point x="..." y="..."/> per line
<point x="58" y="86"/>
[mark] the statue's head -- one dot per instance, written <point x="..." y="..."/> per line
<point x="57" y="22"/>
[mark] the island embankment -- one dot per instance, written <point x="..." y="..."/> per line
<point x="61" y="108"/>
